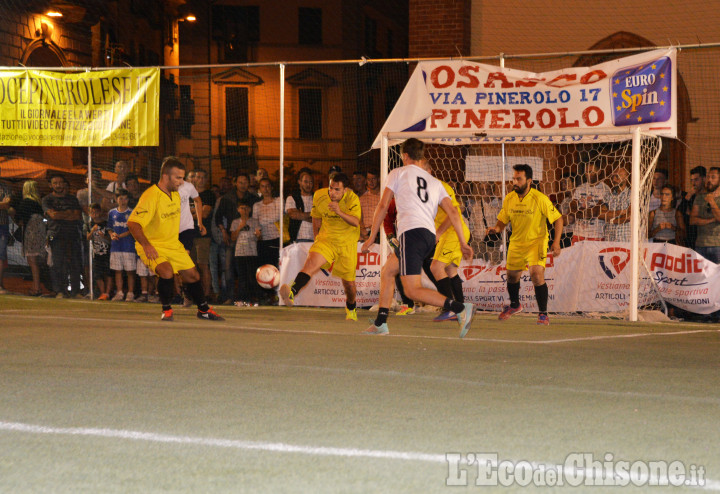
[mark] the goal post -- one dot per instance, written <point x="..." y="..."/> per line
<point x="479" y="167"/>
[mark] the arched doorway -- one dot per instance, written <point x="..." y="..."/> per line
<point x="673" y="153"/>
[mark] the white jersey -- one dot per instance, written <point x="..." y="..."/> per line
<point x="417" y="197"/>
<point x="589" y="196"/>
<point x="187" y="192"/>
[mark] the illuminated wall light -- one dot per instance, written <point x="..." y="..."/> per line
<point x="191" y="18"/>
<point x="54" y="13"/>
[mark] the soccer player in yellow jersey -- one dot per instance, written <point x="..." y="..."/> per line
<point x="528" y="210"/>
<point x="155" y="225"/>
<point x="336" y="222"/>
<point x="447" y="256"/>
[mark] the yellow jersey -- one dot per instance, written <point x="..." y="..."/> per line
<point x="334" y="228"/>
<point x="159" y="216"/>
<point x="528" y="216"/>
<point x="442" y="215"/>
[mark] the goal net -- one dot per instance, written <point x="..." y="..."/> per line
<point x="594" y="180"/>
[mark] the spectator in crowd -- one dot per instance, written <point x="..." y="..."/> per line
<point x="333" y="170"/>
<point x="200" y="253"/>
<point x="133" y="187"/>
<point x="123" y="258"/>
<point x="298" y="206"/>
<point x="616" y="213"/>
<point x="705" y="215"/>
<point x="5" y="197"/>
<point x="99" y="195"/>
<point x="99" y="236"/>
<point x="368" y="202"/>
<point x="64" y="229"/>
<point x="697" y="183"/>
<point x="359" y="185"/>
<point x="30" y="217"/>
<point x="564" y="198"/>
<point x="666" y="224"/>
<point x="190" y="177"/>
<point x="660" y="178"/>
<point x="483" y="214"/>
<point x="588" y="200"/>
<point x="267" y="213"/>
<point x="245" y="232"/>
<point x="226" y="185"/>
<point x="189" y="203"/>
<point x="225" y="213"/>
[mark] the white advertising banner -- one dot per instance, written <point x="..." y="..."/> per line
<point x="465" y="96"/>
<point x="587" y="277"/>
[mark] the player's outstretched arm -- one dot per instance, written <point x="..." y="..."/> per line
<point x="137" y="232"/>
<point x="457" y="224"/>
<point x="378" y="217"/>
<point x="555" y="247"/>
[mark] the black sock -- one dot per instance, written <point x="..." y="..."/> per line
<point x="300" y="281"/>
<point x="351" y="306"/>
<point x="196" y="294"/>
<point x="453" y="305"/>
<point x="457" y="290"/>
<point x="405" y="300"/>
<point x="444" y="286"/>
<point x="382" y="316"/>
<point x="541" y="295"/>
<point x="166" y="289"/>
<point x="514" y="292"/>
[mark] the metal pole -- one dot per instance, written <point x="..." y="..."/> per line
<point x="282" y="155"/>
<point x="91" y="251"/>
<point x="384" y="165"/>
<point x="635" y="225"/>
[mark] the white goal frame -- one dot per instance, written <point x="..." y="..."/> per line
<point x="459" y="137"/>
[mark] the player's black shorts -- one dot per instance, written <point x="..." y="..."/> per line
<point x="187" y="238"/>
<point x="415" y="246"/>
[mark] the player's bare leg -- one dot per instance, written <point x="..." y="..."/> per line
<point x="313" y="263"/>
<point x="390" y="269"/>
<point x="415" y="290"/>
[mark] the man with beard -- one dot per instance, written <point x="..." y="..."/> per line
<point x="155" y="225"/>
<point x="529" y="211"/>
<point x="706" y="215"/>
<point x="336" y="222"/>
<point x="617" y="212"/>
<point x="697" y="182"/>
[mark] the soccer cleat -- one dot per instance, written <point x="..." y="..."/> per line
<point x="379" y="330"/>
<point x="210" y="315"/>
<point x="446" y="316"/>
<point x="104" y="296"/>
<point x="288" y="297"/>
<point x="119" y="297"/>
<point x="509" y="311"/>
<point x="465" y="318"/>
<point x="404" y="310"/>
<point x="350" y="315"/>
<point x="543" y="319"/>
<point x="167" y="315"/>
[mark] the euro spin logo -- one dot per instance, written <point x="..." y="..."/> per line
<point x="642" y="94"/>
<point x="615" y="258"/>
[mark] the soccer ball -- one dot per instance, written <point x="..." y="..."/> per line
<point x="267" y="276"/>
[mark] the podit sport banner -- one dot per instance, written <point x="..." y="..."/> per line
<point x="118" y="107"/>
<point x="325" y="290"/>
<point x="683" y="278"/>
<point x="636" y="91"/>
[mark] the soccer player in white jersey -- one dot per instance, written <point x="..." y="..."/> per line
<point x="417" y="197"/>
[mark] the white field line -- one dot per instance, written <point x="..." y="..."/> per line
<point x="227" y="325"/>
<point x="274" y="447"/>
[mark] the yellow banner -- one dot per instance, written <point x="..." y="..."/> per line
<point x="118" y="107"/>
